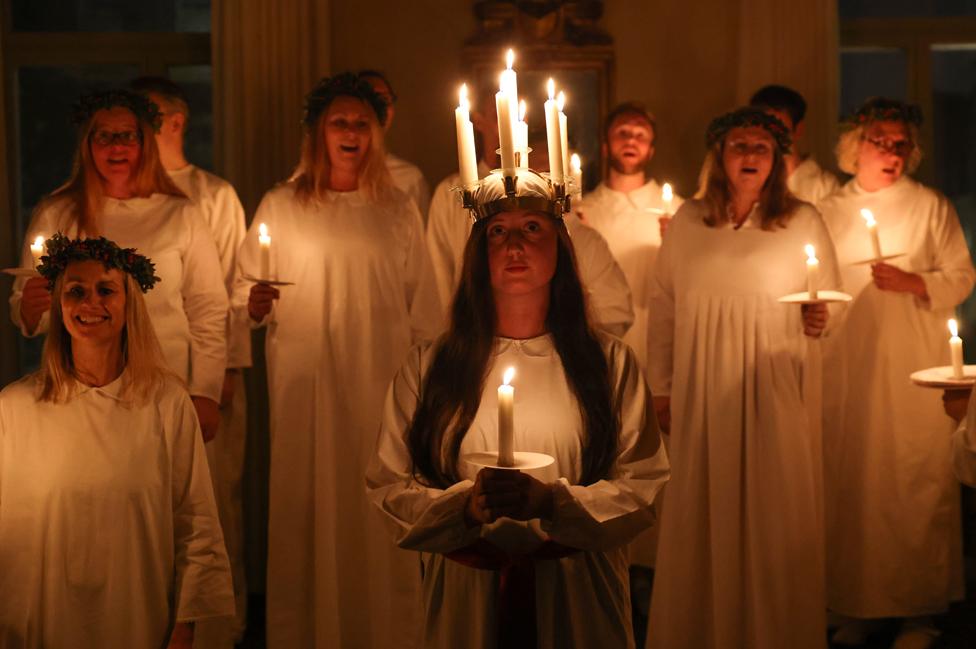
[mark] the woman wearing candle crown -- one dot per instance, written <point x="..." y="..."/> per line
<point x="893" y="519"/>
<point x="354" y="247"/>
<point x="511" y="558"/>
<point x="119" y="189"/>
<point x="740" y="557"/>
<point x="109" y="534"/>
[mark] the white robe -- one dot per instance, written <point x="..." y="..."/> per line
<point x="221" y="209"/>
<point x="335" y="340"/>
<point x="108" y="528"/>
<point x="607" y="294"/>
<point x="964" y="446"/>
<point x="740" y="561"/>
<point x="811" y="183"/>
<point x="581" y="600"/>
<point x="410" y="180"/>
<point x="893" y="519"/>
<point x="188" y="307"/>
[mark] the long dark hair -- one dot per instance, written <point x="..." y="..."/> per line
<point x="452" y="389"/>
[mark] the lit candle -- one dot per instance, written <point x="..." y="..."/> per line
<point x="667" y="197"/>
<point x="556" y="169"/>
<point x="505" y="132"/>
<point x="506" y="420"/>
<point x="576" y="167"/>
<point x="813" y="268"/>
<point x="955" y="349"/>
<point x="509" y="85"/>
<point x="868" y="217"/>
<point x="522" y="137"/>
<point x="467" y="159"/>
<point x="563" y="132"/>
<point x="37" y="250"/>
<point x="264" y="241"/>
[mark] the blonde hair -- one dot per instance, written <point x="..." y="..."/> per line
<point x="84" y="187"/>
<point x="777" y="204"/>
<point x="311" y="176"/>
<point x="145" y="368"/>
<point x="849" y="147"/>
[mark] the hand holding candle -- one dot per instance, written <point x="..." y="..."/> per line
<point x="506" y="417"/>
<point x="868" y="217"/>
<point x="955" y="350"/>
<point x="813" y="269"/>
<point x="37" y="250"/>
<point x="264" y="243"/>
<point x="556" y="168"/>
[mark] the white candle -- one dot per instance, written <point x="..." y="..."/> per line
<point x="556" y="169"/>
<point x="522" y="137"/>
<point x="955" y="350"/>
<point x="37" y="250"/>
<point x="563" y="132"/>
<point x="505" y="135"/>
<point x="467" y="159"/>
<point x="868" y="217"/>
<point x="813" y="269"/>
<point x="576" y="167"/>
<point x="264" y="242"/>
<point x="506" y="420"/>
<point x="667" y="197"/>
<point x="509" y="85"/>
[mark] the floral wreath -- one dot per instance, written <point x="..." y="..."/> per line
<point x="881" y="109"/>
<point x="345" y="84"/>
<point x="62" y="251"/>
<point x="745" y="118"/>
<point x="145" y="110"/>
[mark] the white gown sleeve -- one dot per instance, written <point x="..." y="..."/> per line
<point x="611" y="512"/>
<point x="448" y="227"/>
<point x="964" y="446"/>
<point x="202" y="577"/>
<point x="660" y="329"/>
<point x="422" y="518"/>
<point x="423" y="300"/>
<point x="228" y="229"/>
<point x="606" y="286"/>
<point x="205" y="304"/>
<point x="951" y="278"/>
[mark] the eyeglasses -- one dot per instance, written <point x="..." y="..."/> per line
<point x="108" y="138"/>
<point x="901" y="148"/>
<point x="744" y="148"/>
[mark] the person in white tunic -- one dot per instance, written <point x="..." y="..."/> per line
<point x="108" y="530"/>
<point x="222" y="211"/>
<point x="533" y="558"/>
<point x="119" y="189"/>
<point x="406" y="176"/>
<point x="893" y="517"/>
<point x="807" y="180"/>
<point x="740" y="560"/>
<point x="960" y="405"/>
<point x="354" y="249"/>
<point x="448" y="227"/>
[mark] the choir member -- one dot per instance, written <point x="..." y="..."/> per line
<point x="520" y="558"/>
<point x="960" y="406"/>
<point x="893" y="513"/>
<point x="221" y="209"/>
<point x="406" y="176"/>
<point x="108" y="529"/>
<point x="740" y="561"/>
<point x="448" y="227"/>
<point x="119" y="189"/>
<point x="806" y="179"/>
<point x="353" y="247"/>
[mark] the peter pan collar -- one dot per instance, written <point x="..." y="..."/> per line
<point x="538" y="346"/>
<point x="111" y="390"/>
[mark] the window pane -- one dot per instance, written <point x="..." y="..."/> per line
<point x="871" y="72"/>
<point x="905" y="8"/>
<point x="110" y="16"/>
<point x="197" y="82"/>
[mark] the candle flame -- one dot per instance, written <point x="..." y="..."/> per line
<point x="811" y="252"/>
<point x="263" y="230"/>
<point x="561" y="100"/>
<point x="868" y="217"/>
<point x="38" y="242"/>
<point x="522" y="109"/>
<point x="551" y="87"/>
<point x="953" y="327"/>
<point x="509" y="58"/>
<point x="666" y="193"/>
<point x="575" y="163"/>
<point x="509" y="374"/>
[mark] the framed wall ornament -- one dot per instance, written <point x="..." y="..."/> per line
<point x="561" y="39"/>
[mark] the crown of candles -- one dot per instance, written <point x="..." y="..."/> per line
<point x="515" y="185"/>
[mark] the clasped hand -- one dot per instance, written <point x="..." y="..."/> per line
<point x="815" y="318"/>
<point x="507" y="493"/>
<point x="891" y="278"/>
